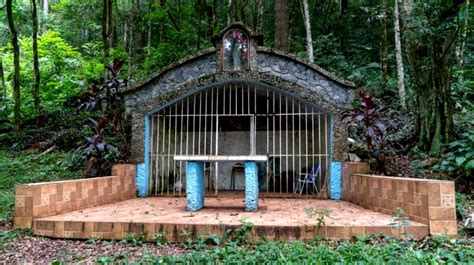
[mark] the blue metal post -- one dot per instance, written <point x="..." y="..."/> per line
<point x="194" y="186"/>
<point x="251" y="186"/>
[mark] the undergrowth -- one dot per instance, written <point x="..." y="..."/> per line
<point x="28" y="167"/>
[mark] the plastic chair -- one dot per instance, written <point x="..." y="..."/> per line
<point x="308" y="180"/>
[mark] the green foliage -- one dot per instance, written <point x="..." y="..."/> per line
<point x="10" y="235"/>
<point x="61" y="71"/>
<point x="28" y="167"/>
<point x="321" y="214"/>
<point x="135" y="239"/>
<point x="370" y="250"/>
<point x="160" y="238"/>
<point x="240" y="234"/>
<point x="399" y="221"/>
<point x="460" y="155"/>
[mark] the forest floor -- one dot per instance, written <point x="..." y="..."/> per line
<point x="19" y="246"/>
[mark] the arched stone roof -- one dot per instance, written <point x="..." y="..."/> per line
<point x="285" y="72"/>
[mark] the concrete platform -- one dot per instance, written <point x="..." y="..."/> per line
<point x="277" y="218"/>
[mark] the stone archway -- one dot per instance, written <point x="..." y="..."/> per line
<point x="291" y="75"/>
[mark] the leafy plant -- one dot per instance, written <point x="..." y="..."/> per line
<point x="160" y="238"/>
<point x="368" y="115"/>
<point x="105" y="94"/>
<point x="135" y="239"/>
<point x="399" y="221"/>
<point x="321" y="214"/>
<point x="100" y="155"/>
<point x="459" y="159"/>
<point x="240" y="234"/>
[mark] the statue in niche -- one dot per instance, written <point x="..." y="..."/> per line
<point x="235" y="51"/>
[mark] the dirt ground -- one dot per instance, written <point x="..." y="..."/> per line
<point x="27" y="249"/>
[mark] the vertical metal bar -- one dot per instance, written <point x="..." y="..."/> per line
<point x="236" y="99"/>
<point x="157" y="150"/>
<point x="163" y="153"/>
<point x="223" y="100"/>
<point x="230" y="99"/>
<point x="326" y="141"/>
<point x="175" y="145"/>
<point x="194" y="121"/>
<point x="306" y="140"/>
<point x="286" y="141"/>
<point x="319" y="143"/>
<point x="243" y="103"/>
<point x="248" y="99"/>
<point x="293" y="135"/>
<point x="217" y="152"/>
<point x="169" y="151"/>
<point x="211" y="132"/>
<point x="205" y="125"/>
<point x="273" y="138"/>
<point x="181" y="148"/>
<point x="150" y="166"/>
<point x="279" y="145"/>
<point x="187" y="126"/>
<point x="199" y="126"/>
<point x="299" y="139"/>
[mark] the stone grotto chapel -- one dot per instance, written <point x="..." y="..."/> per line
<point x="240" y="102"/>
<point x="237" y="121"/>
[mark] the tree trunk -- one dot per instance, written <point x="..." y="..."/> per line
<point x="148" y="45"/>
<point x="400" y="70"/>
<point x="430" y="57"/>
<point x="45" y="7"/>
<point x="106" y="31"/>
<point x="16" y="66"/>
<point x="460" y="47"/>
<point x="307" y="25"/>
<point x="260" y="9"/>
<point x="384" y="43"/>
<point x="229" y="13"/>
<point x="281" y="25"/>
<point x="2" y="81"/>
<point x="130" y="40"/>
<point x="36" y="70"/>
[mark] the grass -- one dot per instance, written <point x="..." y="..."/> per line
<point x="367" y="250"/>
<point x="28" y="167"/>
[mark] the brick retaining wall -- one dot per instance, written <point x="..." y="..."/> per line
<point x="426" y="201"/>
<point x="51" y="198"/>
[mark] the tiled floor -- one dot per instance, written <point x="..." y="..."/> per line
<point x="226" y="210"/>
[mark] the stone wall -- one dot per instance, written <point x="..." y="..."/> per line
<point x="51" y="198"/>
<point x="294" y="76"/>
<point x="430" y="202"/>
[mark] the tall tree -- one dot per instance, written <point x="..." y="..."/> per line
<point x="398" y="53"/>
<point x="430" y="35"/>
<point x="36" y="70"/>
<point x="462" y="43"/>
<point x="107" y="30"/>
<point x="307" y="25"/>
<point x="260" y="8"/>
<point x="384" y="42"/>
<point x="16" y="66"/>
<point x="282" y="25"/>
<point x="2" y="80"/>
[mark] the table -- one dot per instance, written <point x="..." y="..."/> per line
<point x="195" y="178"/>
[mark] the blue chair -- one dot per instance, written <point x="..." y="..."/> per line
<point x="308" y="180"/>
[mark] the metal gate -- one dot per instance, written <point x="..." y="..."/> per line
<point x="240" y="119"/>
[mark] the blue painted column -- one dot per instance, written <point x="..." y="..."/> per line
<point x="194" y="186"/>
<point x="142" y="180"/>
<point x="251" y="187"/>
<point x="335" y="185"/>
